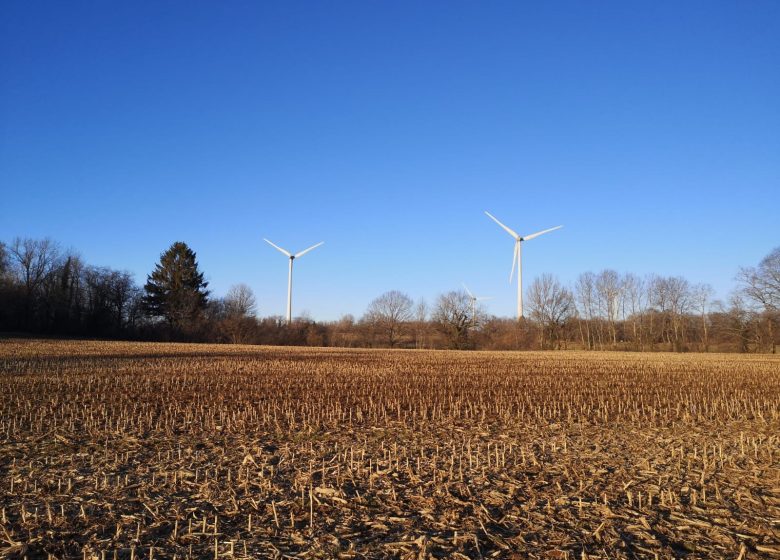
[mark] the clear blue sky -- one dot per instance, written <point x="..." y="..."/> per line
<point x="650" y="130"/>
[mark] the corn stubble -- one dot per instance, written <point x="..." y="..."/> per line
<point x="118" y="450"/>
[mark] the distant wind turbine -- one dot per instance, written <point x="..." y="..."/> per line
<point x="474" y="299"/>
<point x="517" y="259"/>
<point x="289" y="276"/>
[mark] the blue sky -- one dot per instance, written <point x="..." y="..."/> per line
<point x="651" y="131"/>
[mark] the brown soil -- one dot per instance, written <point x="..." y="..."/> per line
<point x="118" y="450"/>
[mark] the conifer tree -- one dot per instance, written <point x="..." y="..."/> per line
<point x="175" y="290"/>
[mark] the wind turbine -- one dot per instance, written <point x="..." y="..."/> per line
<point x="289" y="276"/>
<point x="517" y="259"/>
<point x="474" y="299"/>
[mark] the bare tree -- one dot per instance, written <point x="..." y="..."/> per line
<point x="761" y="285"/>
<point x="552" y="306"/>
<point x="420" y="323"/>
<point x="421" y="310"/>
<point x="608" y="290"/>
<point x="344" y="332"/>
<point x="4" y="262"/>
<point x="679" y="292"/>
<point x="657" y="310"/>
<point x="9" y="291"/>
<point x="702" y="295"/>
<point x="240" y="300"/>
<point x="453" y="315"/>
<point x="585" y="288"/>
<point x="671" y="297"/>
<point x="124" y="296"/>
<point x="634" y="306"/>
<point x="737" y="321"/>
<point x="389" y="314"/>
<point x="32" y="260"/>
<point x="68" y="298"/>
<point x="240" y="307"/>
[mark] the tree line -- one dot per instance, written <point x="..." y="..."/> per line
<point x="46" y="290"/>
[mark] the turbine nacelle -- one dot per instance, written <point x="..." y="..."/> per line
<point x="516" y="259"/>
<point x="291" y="257"/>
<point x="288" y="253"/>
<point x="471" y="296"/>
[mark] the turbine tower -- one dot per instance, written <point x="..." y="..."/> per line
<point x="517" y="259"/>
<point x="474" y="299"/>
<point x="289" y="276"/>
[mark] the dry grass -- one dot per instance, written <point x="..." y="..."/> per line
<point x="117" y="450"/>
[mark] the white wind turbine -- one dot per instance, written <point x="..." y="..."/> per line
<point x="289" y="276"/>
<point x="517" y="259"/>
<point x="474" y="299"/>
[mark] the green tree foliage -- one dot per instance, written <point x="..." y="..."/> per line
<point x="175" y="290"/>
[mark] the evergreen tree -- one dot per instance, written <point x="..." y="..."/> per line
<point x="175" y="290"/>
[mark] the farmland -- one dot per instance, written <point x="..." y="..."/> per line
<point x="123" y="450"/>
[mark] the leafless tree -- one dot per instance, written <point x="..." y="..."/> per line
<point x="679" y="292"/>
<point x="124" y="296"/>
<point x="585" y="288"/>
<point x="552" y="306"/>
<point x="608" y="290"/>
<point x="239" y="322"/>
<point x="634" y="306"/>
<point x="69" y="294"/>
<point x="421" y="323"/>
<point x="452" y="314"/>
<point x="761" y="286"/>
<point x="671" y="297"/>
<point x="701" y="295"/>
<point x="4" y="262"/>
<point x="389" y="315"/>
<point x="762" y="283"/>
<point x="738" y="319"/>
<point x="111" y="298"/>
<point x="240" y="301"/>
<point x="421" y="310"/>
<point x="9" y="296"/>
<point x="344" y="332"/>
<point x="32" y="261"/>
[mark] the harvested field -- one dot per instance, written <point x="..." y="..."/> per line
<point x="119" y="450"/>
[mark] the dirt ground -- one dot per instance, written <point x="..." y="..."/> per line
<point x="142" y="451"/>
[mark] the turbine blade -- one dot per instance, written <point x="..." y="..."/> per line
<point x="309" y="249"/>
<point x="514" y="261"/>
<point x="509" y="231"/>
<point x="277" y="247"/>
<point x="538" y="233"/>
<point x="467" y="290"/>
